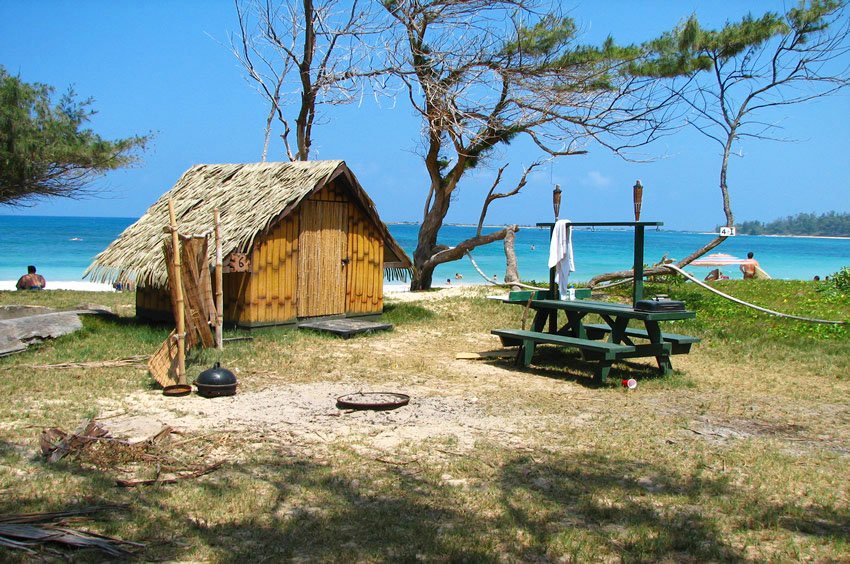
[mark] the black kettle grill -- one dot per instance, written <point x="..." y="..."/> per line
<point x="215" y="382"/>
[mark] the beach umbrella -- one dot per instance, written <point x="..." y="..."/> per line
<point x="718" y="259"/>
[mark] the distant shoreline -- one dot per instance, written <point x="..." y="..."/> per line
<point x="839" y="237"/>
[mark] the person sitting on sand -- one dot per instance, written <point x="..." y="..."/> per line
<point x="31" y="280"/>
<point x="749" y="267"/>
<point x="716" y="275"/>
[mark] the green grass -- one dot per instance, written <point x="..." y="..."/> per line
<point x="740" y="454"/>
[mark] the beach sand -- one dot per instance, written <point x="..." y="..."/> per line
<point x="78" y="285"/>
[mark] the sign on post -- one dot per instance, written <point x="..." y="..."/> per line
<point x="237" y="262"/>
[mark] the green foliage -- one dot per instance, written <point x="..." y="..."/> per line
<point x="830" y="224"/>
<point x="734" y="323"/>
<point x="812" y="18"/>
<point x="841" y="280"/>
<point x="545" y="37"/>
<point x="837" y="287"/>
<point x="45" y="149"/>
<point x="689" y="48"/>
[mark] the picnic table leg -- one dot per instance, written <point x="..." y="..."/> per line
<point x="574" y="326"/>
<point x="618" y="329"/>
<point x="603" y="368"/>
<point x="525" y="352"/>
<point x="653" y="331"/>
<point x="540" y="317"/>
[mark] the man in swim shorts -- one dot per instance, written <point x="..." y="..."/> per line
<point x="749" y="267"/>
<point x="31" y="280"/>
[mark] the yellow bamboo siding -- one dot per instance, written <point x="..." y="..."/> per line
<point x="378" y="277"/>
<point x="274" y="271"/>
<point x="378" y="300"/>
<point x="274" y="302"/>
<point x="376" y="263"/>
<point x="290" y="267"/>
<point x="322" y="248"/>
<point x="365" y="277"/>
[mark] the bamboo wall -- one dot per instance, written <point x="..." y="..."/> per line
<point x="271" y="292"/>
<point x="365" y="282"/>
<point x="153" y="303"/>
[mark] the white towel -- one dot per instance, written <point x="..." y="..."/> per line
<point x="561" y="255"/>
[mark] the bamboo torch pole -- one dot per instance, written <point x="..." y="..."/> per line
<point x="178" y="291"/>
<point x="219" y="287"/>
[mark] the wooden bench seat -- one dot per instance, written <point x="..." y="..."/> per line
<point x="602" y="351"/>
<point x="681" y="343"/>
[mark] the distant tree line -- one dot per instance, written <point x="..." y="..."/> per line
<point x="830" y="224"/>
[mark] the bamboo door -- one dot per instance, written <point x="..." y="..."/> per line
<point x="322" y="258"/>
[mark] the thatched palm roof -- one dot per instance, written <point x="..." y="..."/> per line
<point x="251" y="199"/>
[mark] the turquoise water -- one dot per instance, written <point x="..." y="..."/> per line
<point x="62" y="248"/>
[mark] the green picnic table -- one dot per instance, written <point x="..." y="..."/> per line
<point x="623" y="341"/>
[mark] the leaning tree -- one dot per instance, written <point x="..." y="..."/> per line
<point x="748" y="69"/>
<point x="45" y="149"/>
<point x="483" y="73"/>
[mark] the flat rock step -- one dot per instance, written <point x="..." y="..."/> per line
<point x="345" y="328"/>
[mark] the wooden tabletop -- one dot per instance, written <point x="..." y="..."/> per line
<point x="607" y="308"/>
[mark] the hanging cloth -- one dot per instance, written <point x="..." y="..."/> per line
<point x="561" y="255"/>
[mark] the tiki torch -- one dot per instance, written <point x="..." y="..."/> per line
<point x="637" y="193"/>
<point x="556" y="200"/>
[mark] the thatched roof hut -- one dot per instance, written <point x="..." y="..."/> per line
<point x="306" y="228"/>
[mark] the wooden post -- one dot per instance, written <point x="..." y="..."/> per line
<point x="219" y="284"/>
<point x="638" y="268"/>
<point x="178" y="292"/>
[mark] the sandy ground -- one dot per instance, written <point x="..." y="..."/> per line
<point x="307" y="413"/>
<point x="64" y="285"/>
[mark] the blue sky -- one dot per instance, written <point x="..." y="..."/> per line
<point x="165" y="67"/>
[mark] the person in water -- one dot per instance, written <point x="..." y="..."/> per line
<point x="749" y="267"/>
<point x="31" y="280"/>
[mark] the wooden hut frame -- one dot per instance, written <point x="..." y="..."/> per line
<point x="302" y="239"/>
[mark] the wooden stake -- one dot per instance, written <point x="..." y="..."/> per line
<point x="219" y="286"/>
<point x="178" y="291"/>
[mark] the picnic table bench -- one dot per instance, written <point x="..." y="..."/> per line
<point x="602" y="352"/>
<point x="586" y="337"/>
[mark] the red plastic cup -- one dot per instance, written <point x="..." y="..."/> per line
<point x="631" y="383"/>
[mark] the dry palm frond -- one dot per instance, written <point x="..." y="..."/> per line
<point x="56" y="443"/>
<point x="29" y="531"/>
<point x="139" y="359"/>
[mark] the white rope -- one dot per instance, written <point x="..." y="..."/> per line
<point x="612" y="284"/>
<point x="736" y="300"/>
<point x="489" y="281"/>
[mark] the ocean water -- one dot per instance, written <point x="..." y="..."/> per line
<point x="63" y="247"/>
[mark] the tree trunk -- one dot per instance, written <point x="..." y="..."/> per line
<point x="424" y="272"/>
<point x="656" y="270"/>
<point x="511" y="271"/>
<point x="724" y="188"/>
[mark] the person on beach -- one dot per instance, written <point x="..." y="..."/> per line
<point x="716" y="275"/>
<point x="31" y="280"/>
<point x="749" y="267"/>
